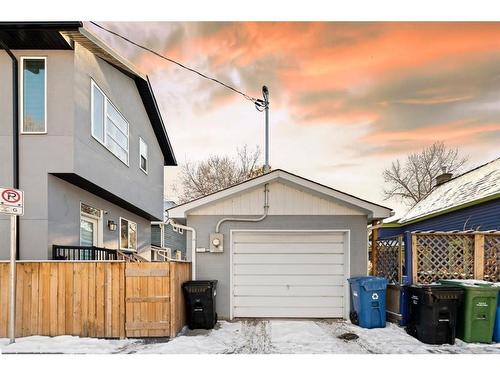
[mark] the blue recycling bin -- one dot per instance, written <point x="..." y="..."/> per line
<point x="368" y="301"/>
<point x="496" y="330"/>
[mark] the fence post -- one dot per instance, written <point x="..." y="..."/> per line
<point x="400" y="259"/>
<point x="414" y="256"/>
<point x="374" y="248"/>
<point x="408" y="258"/>
<point x="479" y="256"/>
<point x="123" y="299"/>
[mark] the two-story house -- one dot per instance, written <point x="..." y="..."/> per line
<point x="81" y="133"/>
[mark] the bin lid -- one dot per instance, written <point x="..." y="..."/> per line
<point x="471" y="284"/>
<point x="212" y="283"/>
<point x="369" y="282"/>
<point x="435" y="287"/>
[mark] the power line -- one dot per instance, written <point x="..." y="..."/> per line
<point x="259" y="103"/>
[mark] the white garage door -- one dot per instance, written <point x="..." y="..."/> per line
<point x="288" y="274"/>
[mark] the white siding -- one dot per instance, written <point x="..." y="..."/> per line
<point x="283" y="200"/>
<point x="288" y="274"/>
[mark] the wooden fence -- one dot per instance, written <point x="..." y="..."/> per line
<point x="95" y="298"/>
<point x="455" y="255"/>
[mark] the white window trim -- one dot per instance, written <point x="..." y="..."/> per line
<point x="100" y="227"/>
<point x="181" y="231"/>
<point x="92" y="85"/>
<point x="21" y="93"/>
<point x="120" y="234"/>
<point x="141" y="140"/>
<point x="105" y="135"/>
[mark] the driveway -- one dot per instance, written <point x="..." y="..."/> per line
<point x="255" y="337"/>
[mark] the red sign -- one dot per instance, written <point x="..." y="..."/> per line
<point x="11" y="201"/>
<point x="11" y="196"/>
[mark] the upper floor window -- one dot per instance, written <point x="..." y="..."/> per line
<point x="143" y="152"/>
<point x="109" y="126"/>
<point x="34" y="95"/>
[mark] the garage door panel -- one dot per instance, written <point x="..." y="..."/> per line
<point x="288" y="269"/>
<point x="292" y="237"/>
<point x="292" y="301"/>
<point x="288" y="258"/>
<point x="289" y="280"/>
<point x="288" y="274"/>
<point x="289" y="248"/>
<point x="288" y="290"/>
<point x="288" y="312"/>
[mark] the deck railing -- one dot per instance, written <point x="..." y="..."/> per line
<point x="60" y="252"/>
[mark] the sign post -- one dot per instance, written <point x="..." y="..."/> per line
<point x="12" y="204"/>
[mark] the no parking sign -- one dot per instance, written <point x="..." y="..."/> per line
<point x="11" y="201"/>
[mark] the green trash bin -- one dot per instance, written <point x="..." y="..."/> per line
<point x="476" y="317"/>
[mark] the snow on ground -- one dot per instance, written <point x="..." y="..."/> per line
<point x="254" y="336"/>
<point x="62" y="344"/>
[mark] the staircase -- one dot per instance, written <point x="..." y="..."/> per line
<point x="130" y="257"/>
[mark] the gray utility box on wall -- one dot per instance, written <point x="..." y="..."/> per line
<point x="216" y="243"/>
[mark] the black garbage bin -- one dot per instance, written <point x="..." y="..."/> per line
<point x="432" y="312"/>
<point x="200" y="303"/>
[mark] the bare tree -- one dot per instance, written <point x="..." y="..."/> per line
<point x="412" y="180"/>
<point x="217" y="172"/>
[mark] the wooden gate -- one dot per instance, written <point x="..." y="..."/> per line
<point x="147" y="299"/>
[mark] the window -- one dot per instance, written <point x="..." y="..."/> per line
<point x="143" y="152"/>
<point x="109" y="127"/>
<point x="128" y="235"/>
<point x="90" y="228"/>
<point x="97" y="113"/>
<point x="33" y="95"/>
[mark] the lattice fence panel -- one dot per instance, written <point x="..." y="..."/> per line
<point x="389" y="258"/>
<point x="449" y="256"/>
<point x="492" y="258"/>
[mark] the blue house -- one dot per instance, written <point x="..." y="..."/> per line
<point x="470" y="201"/>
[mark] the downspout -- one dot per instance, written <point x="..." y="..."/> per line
<point x="193" y="241"/>
<point x="266" y="210"/>
<point x="15" y="131"/>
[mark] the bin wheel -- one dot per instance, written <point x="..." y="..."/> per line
<point x="353" y="316"/>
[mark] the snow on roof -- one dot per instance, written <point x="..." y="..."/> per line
<point x="478" y="183"/>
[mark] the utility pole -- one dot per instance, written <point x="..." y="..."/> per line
<point x="265" y="94"/>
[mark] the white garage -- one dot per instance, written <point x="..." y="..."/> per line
<point x="279" y="245"/>
<point x="295" y="274"/>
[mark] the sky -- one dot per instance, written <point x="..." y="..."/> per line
<point x="346" y="98"/>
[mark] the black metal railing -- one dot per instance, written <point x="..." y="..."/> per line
<point x="83" y="253"/>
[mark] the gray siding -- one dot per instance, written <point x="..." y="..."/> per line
<point x="92" y="160"/>
<point x="211" y="266"/>
<point x="64" y="217"/>
<point x="68" y="146"/>
<point x="174" y="240"/>
<point x="5" y="142"/>
<point x="39" y="154"/>
<point x="171" y="239"/>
